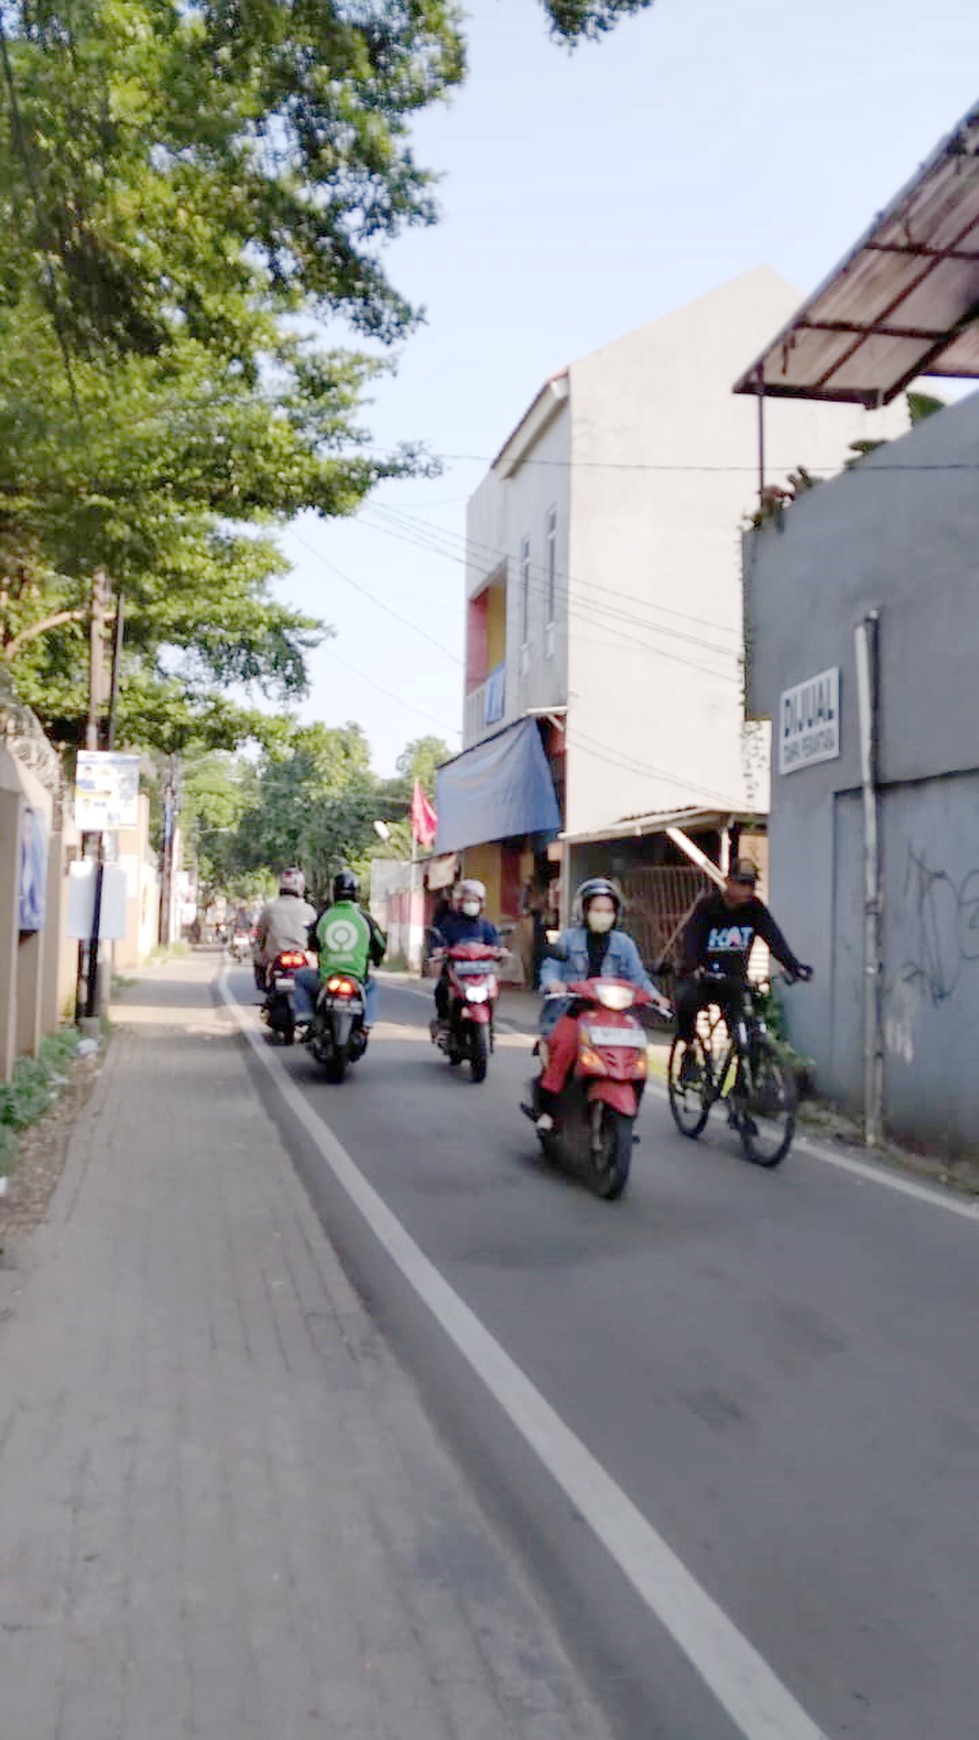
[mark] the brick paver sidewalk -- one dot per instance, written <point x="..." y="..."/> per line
<point x="222" y="1510"/>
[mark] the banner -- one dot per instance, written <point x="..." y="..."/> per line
<point x="106" y="791"/>
<point x="33" y="870"/>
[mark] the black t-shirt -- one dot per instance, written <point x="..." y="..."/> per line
<point x="720" y="937"/>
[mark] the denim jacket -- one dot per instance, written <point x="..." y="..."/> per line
<point x="622" y="961"/>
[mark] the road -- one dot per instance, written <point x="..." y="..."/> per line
<point x="778" y="1371"/>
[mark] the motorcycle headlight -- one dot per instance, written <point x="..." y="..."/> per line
<point x="616" y="997"/>
<point x="477" y="994"/>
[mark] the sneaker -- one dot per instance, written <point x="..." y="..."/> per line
<point x="545" y="1124"/>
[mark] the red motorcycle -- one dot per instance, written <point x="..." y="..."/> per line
<point x="467" y="1034"/>
<point x="595" y="1117"/>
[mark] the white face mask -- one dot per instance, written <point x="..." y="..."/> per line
<point x="471" y="908"/>
<point x="600" y="921"/>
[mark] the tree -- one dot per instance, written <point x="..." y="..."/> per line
<point x="419" y="760"/>
<point x="575" y="20"/>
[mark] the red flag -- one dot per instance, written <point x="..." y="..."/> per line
<point x="424" y="821"/>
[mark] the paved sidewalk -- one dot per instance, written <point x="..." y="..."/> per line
<point x="224" y="1513"/>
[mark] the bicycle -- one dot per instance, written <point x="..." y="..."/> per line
<point x="746" y="1072"/>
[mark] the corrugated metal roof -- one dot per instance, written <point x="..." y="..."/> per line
<point x="904" y="302"/>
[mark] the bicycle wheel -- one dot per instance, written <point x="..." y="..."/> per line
<point x="767" y="1104"/>
<point x="690" y="1097"/>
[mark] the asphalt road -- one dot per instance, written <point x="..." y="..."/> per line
<point x="779" y="1370"/>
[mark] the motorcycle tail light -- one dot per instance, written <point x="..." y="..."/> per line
<point x="340" y="987"/>
<point x="292" y="959"/>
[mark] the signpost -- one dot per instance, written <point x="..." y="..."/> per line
<point x="809" y="722"/>
<point x="106" y="799"/>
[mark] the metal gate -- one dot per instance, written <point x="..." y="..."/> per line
<point x="657" y="901"/>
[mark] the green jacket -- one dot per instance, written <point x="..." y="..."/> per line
<point x="348" y="941"/>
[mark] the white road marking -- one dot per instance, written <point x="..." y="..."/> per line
<point x="755" y="1699"/>
<point x="931" y="1195"/>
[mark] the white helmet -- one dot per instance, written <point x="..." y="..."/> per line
<point x="292" y="882"/>
<point x="470" y="889"/>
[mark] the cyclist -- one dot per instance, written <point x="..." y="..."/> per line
<point x="716" y="942"/>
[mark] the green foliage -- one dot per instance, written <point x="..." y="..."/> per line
<point x="922" y="406"/>
<point x="574" y="20"/>
<point x="418" y="760"/>
<point x="33" y="1088"/>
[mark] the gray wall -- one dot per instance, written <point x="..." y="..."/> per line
<point x="899" y="533"/>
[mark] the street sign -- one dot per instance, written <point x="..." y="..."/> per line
<point x="106" y="791"/>
<point x="809" y="722"/>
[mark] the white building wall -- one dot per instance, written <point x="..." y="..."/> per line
<point x="503" y="512"/>
<point x="664" y="473"/>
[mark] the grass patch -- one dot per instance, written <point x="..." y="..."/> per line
<point x="33" y="1089"/>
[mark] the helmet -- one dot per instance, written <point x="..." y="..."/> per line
<point x="470" y="889"/>
<point x="345" y="885"/>
<point x="590" y="890"/>
<point x="292" y="882"/>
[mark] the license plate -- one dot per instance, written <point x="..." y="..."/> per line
<point x="346" y="1005"/>
<point x="629" y="1037"/>
<point x="285" y="984"/>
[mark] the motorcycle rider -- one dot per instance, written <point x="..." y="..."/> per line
<point x="718" y="939"/>
<point x="465" y="923"/>
<point x="283" y="924"/>
<point x="593" y="949"/>
<point x="349" y="941"/>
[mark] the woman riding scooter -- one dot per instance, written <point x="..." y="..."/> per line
<point x="593" y="949"/>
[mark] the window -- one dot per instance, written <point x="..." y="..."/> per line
<point x="524" y="591"/>
<point x="551" y="566"/>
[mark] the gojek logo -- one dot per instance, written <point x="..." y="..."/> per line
<point x="340" y="936"/>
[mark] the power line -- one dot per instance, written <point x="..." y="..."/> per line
<point x="397" y="515"/>
<point x="580" y="614"/>
<point x="390" y="694"/>
<point x="381" y="605"/>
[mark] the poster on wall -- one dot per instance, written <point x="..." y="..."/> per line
<point x="106" y="791"/>
<point x="33" y="869"/>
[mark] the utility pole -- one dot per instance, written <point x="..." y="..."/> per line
<point x="93" y="844"/>
<point x="96" y="656"/>
<point x="110" y="736"/>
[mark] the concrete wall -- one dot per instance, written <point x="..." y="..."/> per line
<point x="898" y="534"/>
<point x="651" y="466"/>
<point x="665" y="472"/>
<point x="503" y="512"/>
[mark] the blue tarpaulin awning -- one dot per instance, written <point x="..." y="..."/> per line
<point x="497" y="790"/>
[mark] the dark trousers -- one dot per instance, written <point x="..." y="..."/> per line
<point x="692" y="995"/>
<point x="442" y="997"/>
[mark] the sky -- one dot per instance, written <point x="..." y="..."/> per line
<point x="584" y="194"/>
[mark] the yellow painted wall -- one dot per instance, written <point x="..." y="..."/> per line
<point x="483" y="862"/>
<point x="496" y="628"/>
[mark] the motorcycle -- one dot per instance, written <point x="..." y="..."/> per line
<point x="467" y="1035"/>
<point x="241" y="945"/>
<point x="594" y="1121"/>
<point x="337" y="1036"/>
<point x="279" y="1007"/>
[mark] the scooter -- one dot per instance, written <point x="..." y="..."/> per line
<point x="279" y="1007"/>
<point x="337" y="1036"/>
<point x="594" y="1122"/>
<point x="467" y="1035"/>
<point x="241" y="945"/>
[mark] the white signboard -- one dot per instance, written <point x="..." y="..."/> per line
<point x="106" y="791"/>
<point x="81" y="901"/>
<point x="809" y="722"/>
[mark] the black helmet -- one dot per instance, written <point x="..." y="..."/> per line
<point x="345" y="885"/>
<point x="590" y="890"/>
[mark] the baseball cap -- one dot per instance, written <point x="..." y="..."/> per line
<point x="743" y="870"/>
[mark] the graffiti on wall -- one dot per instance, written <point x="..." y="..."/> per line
<point x="944" y="927"/>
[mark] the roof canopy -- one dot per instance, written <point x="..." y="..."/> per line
<point x="498" y="790"/>
<point x="904" y="303"/>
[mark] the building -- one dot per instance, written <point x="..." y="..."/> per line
<point x="862" y="622"/>
<point x="604" y="631"/>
